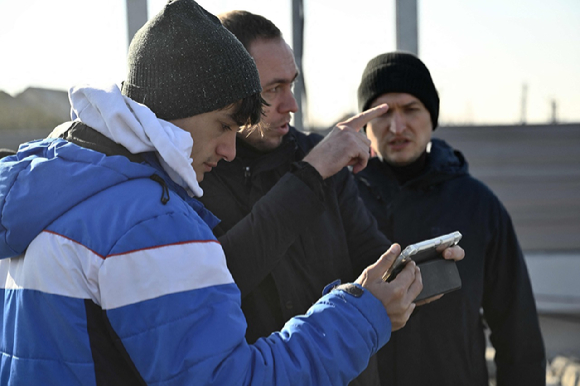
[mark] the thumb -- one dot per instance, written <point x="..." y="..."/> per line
<point x="378" y="269"/>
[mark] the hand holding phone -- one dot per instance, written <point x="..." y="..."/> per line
<point x="439" y="275"/>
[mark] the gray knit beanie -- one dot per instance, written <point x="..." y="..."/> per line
<point x="183" y="62"/>
<point x="398" y="72"/>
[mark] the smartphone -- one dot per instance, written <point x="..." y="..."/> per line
<point x="421" y="252"/>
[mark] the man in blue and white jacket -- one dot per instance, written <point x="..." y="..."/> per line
<point x="109" y="272"/>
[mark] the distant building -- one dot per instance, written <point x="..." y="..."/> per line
<point x="34" y="108"/>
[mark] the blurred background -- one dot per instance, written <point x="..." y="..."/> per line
<point x="507" y="72"/>
<point x="490" y="59"/>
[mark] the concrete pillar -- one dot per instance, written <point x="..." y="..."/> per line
<point x="407" y="26"/>
<point x="136" y="17"/>
<point x="298" y="48"/>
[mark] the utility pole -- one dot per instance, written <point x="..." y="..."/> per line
<point x="407" y="26"/>
<point x="136" y="17"/>
<point x="298" y="45"/>
<point x="554" y="111"/>
<point x="523" y="118"/>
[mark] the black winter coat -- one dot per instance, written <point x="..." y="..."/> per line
<point x="444" y="342"/>
<point x="275" y="217"/>
<point x="287" y="233"/>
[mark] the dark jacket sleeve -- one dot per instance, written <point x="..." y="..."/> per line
<point x="510" y="310"/>
<point x="365" y="242"/>
<point x="271" y="227"/>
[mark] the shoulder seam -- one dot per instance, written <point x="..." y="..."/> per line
<point x="134" y="250"/>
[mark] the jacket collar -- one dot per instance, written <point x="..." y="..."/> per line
<point x="443" y="163"/>
<point x="248" y="156"/>
<point x="85" y="136"/>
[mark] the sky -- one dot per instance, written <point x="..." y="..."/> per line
<point x="482" y="54"/>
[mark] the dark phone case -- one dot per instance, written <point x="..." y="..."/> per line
<point x="440" y="276"/>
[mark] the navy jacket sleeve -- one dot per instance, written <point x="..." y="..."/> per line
<point x="509" y="308"/>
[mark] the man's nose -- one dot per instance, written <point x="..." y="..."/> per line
<point x="398" y="123"/>
<point x="227" y="148"/>
<point x="288" y="103"/>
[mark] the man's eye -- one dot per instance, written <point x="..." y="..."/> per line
<point x="226" y="127"/>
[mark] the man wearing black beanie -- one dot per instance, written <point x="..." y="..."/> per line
<point x="419" y="187"/>
<point x="109" y="271"/>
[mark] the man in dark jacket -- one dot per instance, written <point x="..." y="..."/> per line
<point x="419" y="187"/>
<point x="291" y="218"/>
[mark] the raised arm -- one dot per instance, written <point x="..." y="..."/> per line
<point x="276" y="219"/>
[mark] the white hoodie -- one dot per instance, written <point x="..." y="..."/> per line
<point x="138" y="129"/>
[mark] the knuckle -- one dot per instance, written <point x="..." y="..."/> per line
<point x="398" y="292"/>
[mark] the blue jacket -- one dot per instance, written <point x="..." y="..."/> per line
<point x="112" y="276"/>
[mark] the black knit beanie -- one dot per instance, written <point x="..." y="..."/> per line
<point x="183" y="62"/>
<point x="398" y="72"/>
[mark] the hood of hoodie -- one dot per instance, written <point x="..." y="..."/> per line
<point x="138" y="129"/>
<point x="443" y="164"/>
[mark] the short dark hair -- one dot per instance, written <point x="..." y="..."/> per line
<point x="249" y="110"/>
<point x="248" y="27"/>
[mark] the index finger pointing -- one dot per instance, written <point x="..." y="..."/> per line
<point x="360" y="120"/>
